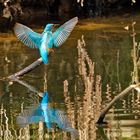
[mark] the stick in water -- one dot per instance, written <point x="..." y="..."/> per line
<point x="118" y="97"/>
<point x="26" y="69"/>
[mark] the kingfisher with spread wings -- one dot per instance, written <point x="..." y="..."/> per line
<point x="42" y="112"/>
<point x="45" y="41"/>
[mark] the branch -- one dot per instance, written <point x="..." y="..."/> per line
<point x="30" y="87"/>
<point x="118" y="97"/>
<point x="26" y="69"/>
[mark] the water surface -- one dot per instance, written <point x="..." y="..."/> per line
<point x="82" y="77"/>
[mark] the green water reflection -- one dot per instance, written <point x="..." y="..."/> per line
<point x="94" y="74"/>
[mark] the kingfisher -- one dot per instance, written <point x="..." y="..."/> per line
<point x="42" y="112"/>
<point x="47" y="39"/>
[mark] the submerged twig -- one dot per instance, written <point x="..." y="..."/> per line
<point x="118" y="97"/>
<point x="26" y="69"/>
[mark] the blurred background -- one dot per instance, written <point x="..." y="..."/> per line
<point x="32" y="11"/>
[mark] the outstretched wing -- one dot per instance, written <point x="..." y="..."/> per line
<point x="30" y="116"/>
<point x="27" y="36"/>
<point x="61" y="119"/>
<point x="63" y="32"/>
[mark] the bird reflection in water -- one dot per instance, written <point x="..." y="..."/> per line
<point x="47" y="115"/>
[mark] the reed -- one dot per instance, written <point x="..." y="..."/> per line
<point x="88" y="106"/>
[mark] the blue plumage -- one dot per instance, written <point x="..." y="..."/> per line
<point x="47" y="115"/>
<point x="45" y="41"/>
<point x="48" y="28"/>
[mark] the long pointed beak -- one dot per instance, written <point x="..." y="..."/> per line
<point x="56" y="25"/>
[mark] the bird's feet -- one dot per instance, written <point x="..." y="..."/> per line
<point x="50" y="51"/>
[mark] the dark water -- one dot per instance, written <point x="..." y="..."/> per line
<point x="82" y="77"/>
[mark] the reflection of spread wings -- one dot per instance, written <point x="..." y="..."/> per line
<point x="60" y="118"/>
<point x="34" y="114"/>
<point x="31" y="115"/>
<point x="56" y="116"/>
<point x="27" y="36"/>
